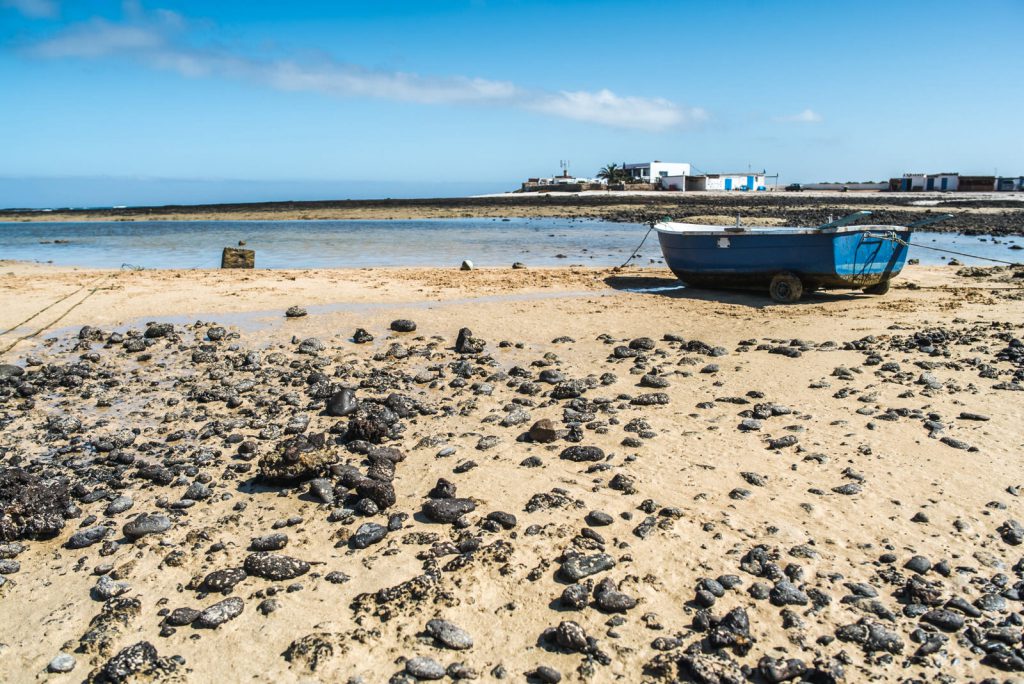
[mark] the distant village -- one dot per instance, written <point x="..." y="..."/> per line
<point x="680" y="177"/>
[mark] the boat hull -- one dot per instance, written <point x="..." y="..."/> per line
<point x="852" y="259"/>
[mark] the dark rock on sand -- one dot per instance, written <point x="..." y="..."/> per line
<point x="505" y="520"/>
<point x="576" y="568"/>
<point x="918" y="564"/>
<point x="341" y="403"/>
<point x="296" y="459"/>
<point x="546" y="675"/>
<point x="423" y="667"/>
<point x="403" y="325"/>
<point x="367" y="534"/>
<point x="467" y="344"/>
<point x="570" y="636"/>
<point x="138" y="662"/>
<point x="652" y="399"/>
<point x="543" y="431"/>
<point x="31" y="507"/>
<point x="447" y="510"/>
<point x="88" y="537"/>
<point x="776" y="670"/>
<point x="1012" y="532"/>
<point x="145" y="524"/>
<point x="107" y="588"/>
<point x="785" y="593"/>
<point x="9" y="371"/>
<point x="223" y="580"/>
<point x="157" y="330"/>
<point x="219" y="613"/>
<point x="946" y="620"/>
<point x="119" y="505"/>
<point x="380" y="493"/>
<point x="269" y="542"/>
<point x="575" y="596"/>
<point x="609" y="599"/>
<point x="732" y="631"/>
<point x="311" y="346"/>
<point x="871" y="636"/>
<point x="599" y="519"/>
<point x="449" y="634"/>
<point x="275" y="567"/>
<point x="179" y="617"/>
<point x="580" y="454"/>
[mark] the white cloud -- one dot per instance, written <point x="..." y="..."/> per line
<point x="355" y="81"/>
<point x="154" y="38"/>
<point x="98" y="38"/>
<point x="36" y="9"/>
<point x="808" y="116"/>
<point x="607" y="108"/>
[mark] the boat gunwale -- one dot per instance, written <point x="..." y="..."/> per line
<point x="699" y="229"/>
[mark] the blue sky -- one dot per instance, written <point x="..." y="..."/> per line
<point x="110" y="102"/>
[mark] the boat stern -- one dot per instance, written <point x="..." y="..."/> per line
<point x="870" y="257"/>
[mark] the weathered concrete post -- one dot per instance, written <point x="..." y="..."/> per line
<point x="238" y="258"/>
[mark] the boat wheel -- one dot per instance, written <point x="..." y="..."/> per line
<point x="786" y="288"/>
<point x="878" y="289"/>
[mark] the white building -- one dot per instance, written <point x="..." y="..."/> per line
<point x="930" y="181"/>
<point x="727" y="181"/>
<point x="564" y="179"/>
<point x="651" y="172"/>
<point x="1009" y="184"/>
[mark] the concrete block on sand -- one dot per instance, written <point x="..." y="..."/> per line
<point x="238" y="258"/>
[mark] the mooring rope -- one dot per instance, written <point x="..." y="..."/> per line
<point x="896" y="238"/>
<point x="55" y="321"/>
<point x="49" y="306"/>
<point x="637" y="250"/>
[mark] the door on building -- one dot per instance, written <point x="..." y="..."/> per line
<point x="728" y="183"/>
<point x="931" y="184"/>
<point x="945" y="183"/>
<point x="750" y="183"/>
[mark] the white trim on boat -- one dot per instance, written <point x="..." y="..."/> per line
<point x="719" y="231"/>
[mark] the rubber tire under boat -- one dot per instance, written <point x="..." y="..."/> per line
<point x="786" y="288"/>
<point x="877" y="289"/>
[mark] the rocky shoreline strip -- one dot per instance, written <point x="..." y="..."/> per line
<point x="992" y="214"/>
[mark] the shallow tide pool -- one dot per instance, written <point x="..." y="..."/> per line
<point x="360" y="244"/>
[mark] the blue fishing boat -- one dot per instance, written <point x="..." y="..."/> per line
<point x="788" y="261"/>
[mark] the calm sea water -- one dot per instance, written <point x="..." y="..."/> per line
<point x="353" y="244"/>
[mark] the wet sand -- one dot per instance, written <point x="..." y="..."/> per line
<point x="798" y="448"/>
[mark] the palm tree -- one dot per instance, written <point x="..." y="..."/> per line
<point x="612" y="173"/>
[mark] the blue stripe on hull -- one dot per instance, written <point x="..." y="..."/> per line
<point x="831" y="260"/>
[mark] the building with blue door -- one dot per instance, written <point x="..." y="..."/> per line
<point x="930" y="182"/>
<point x="728" y="181"/>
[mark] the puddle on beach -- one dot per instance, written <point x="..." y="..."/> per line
<point x="261" y="321"/>
<point x="264" y="321"/>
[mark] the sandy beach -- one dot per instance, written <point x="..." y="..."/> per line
<point x="722" y="486"/>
